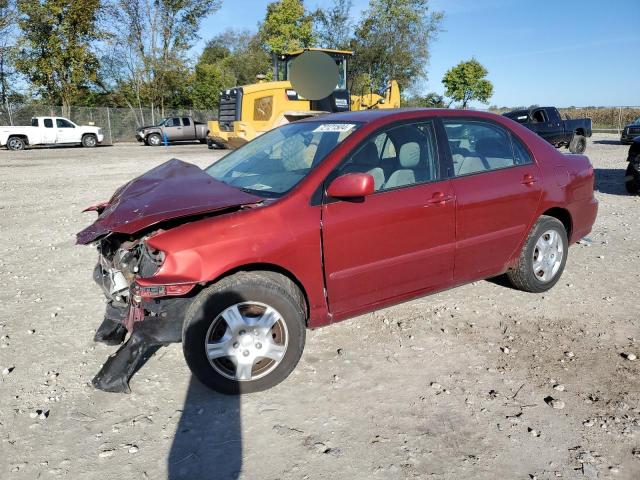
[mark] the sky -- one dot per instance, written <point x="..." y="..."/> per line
<point x="544" y="52"/>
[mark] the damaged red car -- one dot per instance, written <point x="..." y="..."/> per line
<point x="321" y="220"/>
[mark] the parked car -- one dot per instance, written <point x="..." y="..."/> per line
<point x="321" y="220"/>
<point x="631" y="131"/>
<point x="632" y="175"/>
<point x="173" y="129"/>
<point x="50" y="131"/>
<point x="546" y="122"/>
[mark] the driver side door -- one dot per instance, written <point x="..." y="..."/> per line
<point x="398" y="242"/>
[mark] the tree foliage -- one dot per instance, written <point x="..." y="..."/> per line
<point x="229" y="59"/>
<point x="8" y="74"/>
<point x="333" y="26"/>
<point x="466" y="82"/>
<point x="286" y="27"/>
<point x="56" y="53"/>
<point x="430" y="100"/>
<point x="147" y="60"/>
<point x="392" y="41"/>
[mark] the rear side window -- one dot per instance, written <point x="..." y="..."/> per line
<point x="186" y="122"/>
<point x="478" y="146"/>
<point x="34" y="122"/>
<point x="48" y="123"/>
<point x="520" y="153"/>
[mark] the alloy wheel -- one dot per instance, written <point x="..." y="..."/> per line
<point x="246" y="341"/>
<point x="547" y="256"/>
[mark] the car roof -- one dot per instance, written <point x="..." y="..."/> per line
<point x="392" y="114"/>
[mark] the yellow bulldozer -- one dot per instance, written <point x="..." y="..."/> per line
<point x="250" y="110"/>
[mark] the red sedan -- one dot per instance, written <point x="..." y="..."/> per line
<point x="321" y="220"/>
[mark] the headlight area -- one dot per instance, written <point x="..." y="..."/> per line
<point x="141" y="293"/>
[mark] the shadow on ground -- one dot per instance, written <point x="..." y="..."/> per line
<point x="208" y="442"/>
<point x="608" y="142"/>
<point x="611" y="180"/>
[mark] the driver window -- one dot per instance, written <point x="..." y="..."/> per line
<point x="398" y="157"/>
<point x="173" y="122"/>
<point x="62" y="123"/>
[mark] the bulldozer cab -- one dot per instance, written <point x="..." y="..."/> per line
<point x="339" y="100"/>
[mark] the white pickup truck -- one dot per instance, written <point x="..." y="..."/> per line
<point x="50" y="131"/>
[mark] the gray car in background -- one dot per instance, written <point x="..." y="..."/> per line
<point x="173" y="129"/>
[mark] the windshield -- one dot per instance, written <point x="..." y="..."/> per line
<point x="636" y="121"/>
<point x="278" y="160"/>
<point x="162" y="122"/>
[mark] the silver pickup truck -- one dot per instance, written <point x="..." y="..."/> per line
<point x="173" y="129"/>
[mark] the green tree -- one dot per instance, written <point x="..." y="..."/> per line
<point x="148" y="59"/>
<point x="56" y="47"/>
<point x="229" y="59"/>
<point x="430" y="100"/>
<point x="8" y="74"/>
<point x="286" y="27"/>
<point x="466" y="82"/>
<point x="333" y="25"/>
<point x="392" y="41"/>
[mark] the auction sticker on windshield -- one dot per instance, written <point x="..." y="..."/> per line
<point x="335" y="127"/>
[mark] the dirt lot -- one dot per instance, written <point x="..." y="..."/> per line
<point x="451" y="386"/>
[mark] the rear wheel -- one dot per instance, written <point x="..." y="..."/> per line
<point x="245" y="333"/>
<point x="578" y="144"/>
<point x="89" y="141"/>
<point x="154" y="140"/>
<point x="632" y="180"/>
<point x="542" y="258"/>
<point x="15" y="143"/>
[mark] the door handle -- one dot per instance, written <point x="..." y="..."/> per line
<point x="528" y="179"/>
<point x="440" y="198"/>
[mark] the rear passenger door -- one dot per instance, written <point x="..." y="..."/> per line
<point x="497" y="187"/>
<point x="188" y="130"/>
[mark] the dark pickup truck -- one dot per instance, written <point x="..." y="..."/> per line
<point x="173" y="129"/>
<point x="547" y="123"/>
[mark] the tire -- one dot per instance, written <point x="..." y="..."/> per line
<point x="15" y="143"/>
<point x="203" y="141"/>
<point x="528" y="276"/>
<point x="154" y="140"/>
<point x="89" y="141"/>
<point x="632" y="185"/>
<point x="237" y="339"/>
<point x="578" y="144"/>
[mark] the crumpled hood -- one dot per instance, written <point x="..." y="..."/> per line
<point x="172" y="190"/>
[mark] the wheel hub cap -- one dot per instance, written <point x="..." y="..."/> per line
<point x="547" y="256"/>
<point x="246" y="341"/>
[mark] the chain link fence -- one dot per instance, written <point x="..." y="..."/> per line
<point x="118" y="124"/>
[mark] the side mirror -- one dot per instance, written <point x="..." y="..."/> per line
<point x="351" y="185"/>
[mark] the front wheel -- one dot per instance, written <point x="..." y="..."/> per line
<point x="154" y="140"/>
<point x="578" y="144"/>
<point x="89" y="141"/>
<point x="245" y="333"/>
<point x="542" y="258"/>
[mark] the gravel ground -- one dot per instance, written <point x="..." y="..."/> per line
<point x="458" y="385"/>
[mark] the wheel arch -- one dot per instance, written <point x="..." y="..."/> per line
<point x="21" y="136"/>
<point x="580" y="131"/>
<point x="272" y="268"/>
<point x="563" y="215"/>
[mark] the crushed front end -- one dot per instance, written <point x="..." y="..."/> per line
<point x="152" y="315"/>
